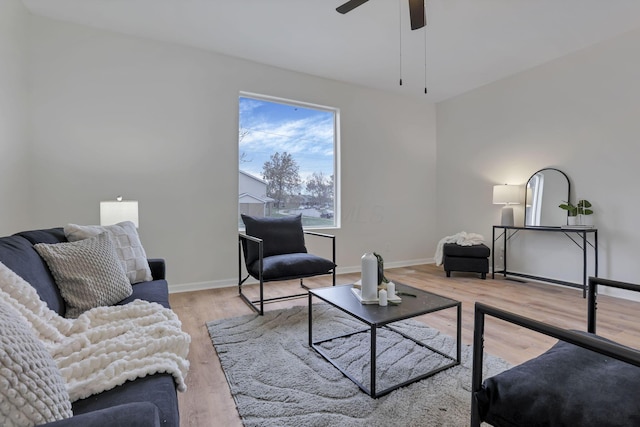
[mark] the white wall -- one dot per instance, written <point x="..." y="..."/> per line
<point x="579" y="113"/>
<point x="14" y="168"/>
<point x="158" y="123"/>
<point x="86" y="115"/>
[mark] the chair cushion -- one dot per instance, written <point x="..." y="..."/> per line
<point x="49" y="235"/>
<point x="291" y="266"/>
<point x="473" y="251"/>
<point x="18" y="254"/>
<point x="565" y="386"/>
<point x="158" y="389"/>
<point x="280" y="236"/>
<point x="475" y="265"/>
<point x="154" y="291"/>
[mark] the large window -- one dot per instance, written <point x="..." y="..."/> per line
<point x="288" y="160"/>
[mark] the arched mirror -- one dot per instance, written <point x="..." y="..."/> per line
<point x="546" y="189"/>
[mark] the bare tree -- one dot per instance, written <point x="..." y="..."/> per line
<point x="320" y="187"/>
<point x="243" y="158"/>
<point x="281" y="174"/>
<point x="242" y="133"/>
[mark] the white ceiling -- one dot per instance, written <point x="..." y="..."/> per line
<point x="469" y="43"/>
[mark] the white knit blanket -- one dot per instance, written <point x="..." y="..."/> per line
<point x="105" y="346"/>
<point x="462" y="238"/>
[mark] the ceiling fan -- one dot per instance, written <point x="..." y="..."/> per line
<point x="416" y="11"/>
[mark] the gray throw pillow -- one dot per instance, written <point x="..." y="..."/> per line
<point x="32" y="390"/>
<point x="127" y="242"/>
<point x="87" y="272"/>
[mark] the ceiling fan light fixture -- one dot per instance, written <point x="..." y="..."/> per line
<point x="350" y="5"/>
<point x="418" y="17"/>
<point x="416" y="11"/>
<point x="417" y="14"/>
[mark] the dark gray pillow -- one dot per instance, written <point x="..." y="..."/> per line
<point x="280" y="235"/>
<point x="565" y="386"/>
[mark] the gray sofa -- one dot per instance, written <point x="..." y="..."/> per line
<point x="147" y="401"/>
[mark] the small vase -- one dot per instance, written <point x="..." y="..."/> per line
<point x="369" y="282"/>
<point x="587" y="220"/>
<point x="572" y="220"/>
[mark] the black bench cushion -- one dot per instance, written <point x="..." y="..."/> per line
<point x="565" y="386"/>
<point x="473" y="251"/>
<point x="475" y="265"/>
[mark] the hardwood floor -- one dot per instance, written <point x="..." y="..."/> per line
<point x="208" y="401"/>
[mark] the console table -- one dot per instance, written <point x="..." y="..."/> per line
<point x="579" y="236"/>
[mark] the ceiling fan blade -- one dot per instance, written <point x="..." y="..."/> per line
<point x="417" y="14"/>
<point x="350" y="5"/>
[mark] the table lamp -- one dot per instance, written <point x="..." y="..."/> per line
<point x="506" y="195"/>
<point x="113" y="212"/>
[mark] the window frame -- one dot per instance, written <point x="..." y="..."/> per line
<point x="336" y="150"/>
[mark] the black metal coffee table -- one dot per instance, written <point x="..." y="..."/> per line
<point x="375" y="316"/>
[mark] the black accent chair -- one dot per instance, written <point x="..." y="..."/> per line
<point x="273" y="250"/>
<point x="584" y="380"/>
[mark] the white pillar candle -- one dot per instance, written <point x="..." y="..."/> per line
<point x="382" y="297"/>
<point x="391" y="290"/>
<point x="369" y="277"/>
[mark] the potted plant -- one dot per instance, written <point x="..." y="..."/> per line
<point x="581" y="210"/>
<point x="584" y="212"/>
<point x="572" y="212"/>
<point x="381" y="278"/>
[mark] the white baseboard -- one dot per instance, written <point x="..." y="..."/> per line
<point x="201" y="286"/>
<point x="395" y="264"/>
<point x="227" y="283"/>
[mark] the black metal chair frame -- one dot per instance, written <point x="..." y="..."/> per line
<point x="612" y="350"/>
<point x="262" y="300"/>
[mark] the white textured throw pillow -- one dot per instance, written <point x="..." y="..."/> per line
<point x="32" y="390"/>
<point x="88" y="273"/>
<point x="128" y="246"/>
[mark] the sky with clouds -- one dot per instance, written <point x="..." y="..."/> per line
<point x="270" y="127"/>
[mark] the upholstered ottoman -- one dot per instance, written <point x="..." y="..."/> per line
<point x="474" y="259"/>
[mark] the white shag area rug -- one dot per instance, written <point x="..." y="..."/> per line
<point x="276" y="379"/>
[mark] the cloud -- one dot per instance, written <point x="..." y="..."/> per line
<point x="293" y="136"/>
<point x="307" y="134"/>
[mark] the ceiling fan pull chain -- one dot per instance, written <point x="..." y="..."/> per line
<point x="425" y="51"/>
<point x="400" y="35"/>
<point x="417" y="20"/>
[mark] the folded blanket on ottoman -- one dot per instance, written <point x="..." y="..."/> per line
<point x="462" y="238"/>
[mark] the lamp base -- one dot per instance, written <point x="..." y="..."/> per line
<point x="507" y="216"/>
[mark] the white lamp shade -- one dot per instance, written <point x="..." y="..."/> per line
<point x="506" y="194"/>
<point x="113" y="212"/>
